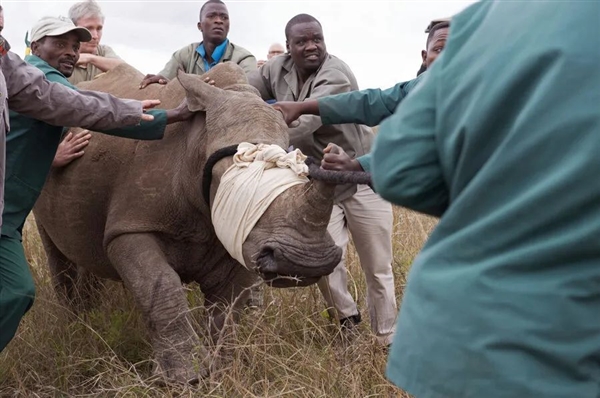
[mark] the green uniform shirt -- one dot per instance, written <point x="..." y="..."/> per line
<point x="30" y="149"/>
<point x="502" y="140"/>
<point x="370" y="107"/>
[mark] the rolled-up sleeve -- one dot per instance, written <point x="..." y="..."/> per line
<point x="405" y="162"/>
<point x="31" y="94"/>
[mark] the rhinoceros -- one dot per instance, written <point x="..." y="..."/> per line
<point x="134" y="211"/>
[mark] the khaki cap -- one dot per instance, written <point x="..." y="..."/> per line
<point x="56" y="26"/>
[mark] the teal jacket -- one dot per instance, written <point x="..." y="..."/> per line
<point x="369" y="107"/>
<point x="30" y="149"/>
<point x="502" y="140"/>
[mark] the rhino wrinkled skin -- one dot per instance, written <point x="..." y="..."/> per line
<point x="133" y="211"/>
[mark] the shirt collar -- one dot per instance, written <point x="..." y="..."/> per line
<point x="217" y="54"/>
<point x="41" y="64"/>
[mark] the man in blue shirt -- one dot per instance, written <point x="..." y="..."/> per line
<point x="198" y="58"/>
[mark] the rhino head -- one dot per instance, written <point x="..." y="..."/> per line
<point x="289" y="246"/>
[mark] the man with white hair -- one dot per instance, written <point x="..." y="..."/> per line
<point x="95" y="58"/>
<point x="274" y="50"/>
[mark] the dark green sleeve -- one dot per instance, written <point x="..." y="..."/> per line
<point x="369" y="107"/>
<point x="153" y="130"/>
<point x="405" y="167"/>
<point x="365" y="162"/>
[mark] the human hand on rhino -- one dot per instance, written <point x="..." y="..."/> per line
<point x="152" y="79"/>
<point x="71" y="148"/>
<point x="291" y="111"/>
<point x="179" y="114"/>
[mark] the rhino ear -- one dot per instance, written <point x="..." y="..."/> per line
<point x="198" y="93"/>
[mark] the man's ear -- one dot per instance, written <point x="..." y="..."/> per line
<point x="34" y="46"/>
<point x="287" y="46"/>
<point x="200" y="26"/>
<point x="423" y="55"/>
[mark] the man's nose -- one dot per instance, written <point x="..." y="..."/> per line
<point x="311" y="45"/>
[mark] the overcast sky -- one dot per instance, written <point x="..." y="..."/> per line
<point x="380" y="40"/>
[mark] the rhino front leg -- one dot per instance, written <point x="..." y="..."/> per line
<point x="225" y="304"/>
<point x="158" y="292"/>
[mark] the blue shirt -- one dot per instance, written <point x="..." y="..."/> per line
<point x="216" y="55"/>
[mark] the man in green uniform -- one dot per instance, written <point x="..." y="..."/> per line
<point x="31" y="146"/>
<point x="368" y="107"/>
<point x="502" y="140"/>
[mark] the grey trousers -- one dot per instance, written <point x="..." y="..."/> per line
<point x="369" y="219"/>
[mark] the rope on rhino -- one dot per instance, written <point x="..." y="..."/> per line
<point x="246" y="191"/>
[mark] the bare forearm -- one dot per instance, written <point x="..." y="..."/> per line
<point x="310" y="107"/>
<point x="103" y="63"/>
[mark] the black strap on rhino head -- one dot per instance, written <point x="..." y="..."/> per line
<point x="314" y="171"/>
<point x="208" y="168"/>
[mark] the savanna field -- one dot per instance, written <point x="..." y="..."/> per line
<point x="285" y="349"/>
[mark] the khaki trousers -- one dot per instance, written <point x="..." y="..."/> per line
<point x="369" y="220"/>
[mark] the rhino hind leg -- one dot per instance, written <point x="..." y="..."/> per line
<point x="158" y="292"/>
<point x="75" y="287"/>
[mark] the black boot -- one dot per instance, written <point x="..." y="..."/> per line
<point x="351" y="321"/>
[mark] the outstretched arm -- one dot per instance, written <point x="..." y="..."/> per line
<point x="102" y="63"/>
<point x="31" y="94"/>
<point x="369" y="107"/>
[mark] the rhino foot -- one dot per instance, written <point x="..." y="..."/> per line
<point x="174" y="367"/>
<point x="180" y="373"/>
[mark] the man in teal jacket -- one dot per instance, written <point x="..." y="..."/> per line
<point x="369" y="107"/>
<point x="502" y="140"/>
<point x="31" y="146"/>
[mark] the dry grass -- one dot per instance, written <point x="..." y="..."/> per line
<point x="286" y="349"/>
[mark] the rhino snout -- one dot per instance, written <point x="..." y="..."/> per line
<point x="281" y="268"/>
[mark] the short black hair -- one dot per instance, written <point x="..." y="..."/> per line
<point x="300" y="18"/>
<point x="209" y="2"/>
<point x="435" y="28"/>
